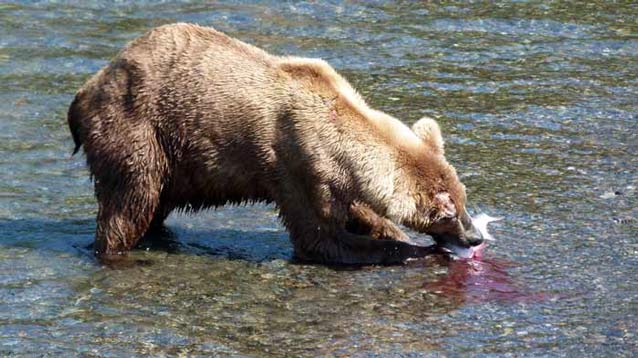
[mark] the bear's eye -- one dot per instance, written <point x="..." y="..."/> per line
<point x="449" y="220"/>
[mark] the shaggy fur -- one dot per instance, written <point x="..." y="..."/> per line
<point x="188" y="118"/>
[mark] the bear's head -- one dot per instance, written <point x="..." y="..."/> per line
<point x="437" y="194"/>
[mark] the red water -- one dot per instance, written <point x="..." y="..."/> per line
<point x="478" y="280"/>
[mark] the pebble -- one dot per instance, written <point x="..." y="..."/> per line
<point x="608" y="195"/>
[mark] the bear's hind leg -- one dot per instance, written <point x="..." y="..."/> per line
<point x="161" y="213"/>
<point x="127" y="186"/>
<point x="124" y="217"/>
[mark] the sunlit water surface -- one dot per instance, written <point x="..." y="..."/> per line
<point x="538" y="104"/>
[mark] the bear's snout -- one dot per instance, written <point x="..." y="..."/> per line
<point x="473" y="237"/>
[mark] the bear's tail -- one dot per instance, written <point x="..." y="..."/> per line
<point x="74" y="118"/>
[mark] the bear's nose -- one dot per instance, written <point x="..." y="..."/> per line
<point x="473" y="237"/>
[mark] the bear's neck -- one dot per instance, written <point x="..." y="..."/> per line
<point x="380" y="180"/>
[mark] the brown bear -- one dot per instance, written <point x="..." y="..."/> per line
<point x="188" y="118"/>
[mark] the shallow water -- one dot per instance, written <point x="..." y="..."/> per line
<point x="538" y="104"/>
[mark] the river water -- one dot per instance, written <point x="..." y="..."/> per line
<point x="538" y="102"/>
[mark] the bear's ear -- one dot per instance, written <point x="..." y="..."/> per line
<point x="445" y="207"/>
<point x="428" y="130"/>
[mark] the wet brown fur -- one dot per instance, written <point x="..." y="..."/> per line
<point x="188" y="118"/>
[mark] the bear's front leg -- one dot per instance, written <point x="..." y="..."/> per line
<point x="326" y="241"/>
<point x="363" y="220"/>
<point x="361" y="249"/>
<point x="318" y="232"/>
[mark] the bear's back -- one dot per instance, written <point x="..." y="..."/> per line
<point x="181" y="43"/>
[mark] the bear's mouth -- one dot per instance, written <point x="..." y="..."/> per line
<point x="480" y="222"/>
<point x="464" y="252"/>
